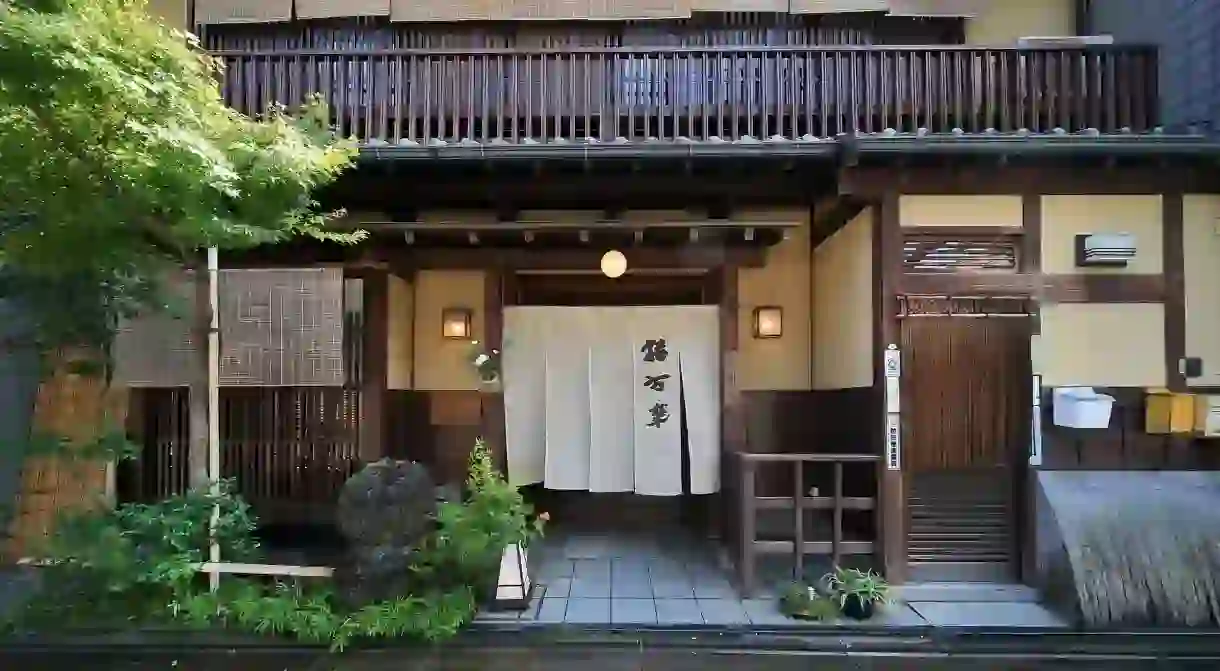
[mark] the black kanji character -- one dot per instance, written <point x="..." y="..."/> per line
<point x="654" y="350"/>
<point x="660" y="414"/>
<point x="656" y="382"/>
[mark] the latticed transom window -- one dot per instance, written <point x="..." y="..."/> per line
<point x="939" y="254"/>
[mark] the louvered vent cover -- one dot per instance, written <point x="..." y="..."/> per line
<point x="933" y="255"/>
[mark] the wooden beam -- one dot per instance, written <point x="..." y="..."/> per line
<point x="492" y="420"/>
<point x="1053" y="288"/>
<point x="874" y="181"/>
<point x="522" y="258"/>
<point x="887" y="273"/>
<point x="1174" y="267"/>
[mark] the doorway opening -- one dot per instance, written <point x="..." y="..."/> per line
<point x="966" y="416"/>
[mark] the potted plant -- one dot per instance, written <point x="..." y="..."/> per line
<point x="858" y="592"/>
<point x="803" y="602"/>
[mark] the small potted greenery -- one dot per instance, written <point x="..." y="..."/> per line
<point x="858" y="592"/>
<point x="803" y="602"/>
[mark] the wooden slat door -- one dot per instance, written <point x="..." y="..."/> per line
<point x="965" y="407"/>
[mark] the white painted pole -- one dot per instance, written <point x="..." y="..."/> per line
<point x="214" y="404"/>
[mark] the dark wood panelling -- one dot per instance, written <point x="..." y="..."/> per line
<point x="1053" y="288"/>
<point x="993" y="178"/>
<point x="806" y="422"/>
<point x="438" y="428"/>
<point x="1123" y="446"/>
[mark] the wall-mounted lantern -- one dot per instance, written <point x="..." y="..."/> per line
<point x="455" y="323"/>
<point x="768" y="321"/>
<point x="1105" y="249"/>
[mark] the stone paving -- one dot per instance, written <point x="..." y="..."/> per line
<point x="635" y="579"/>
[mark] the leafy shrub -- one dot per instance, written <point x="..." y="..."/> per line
<point x="138" y="564"/>
<point x="471" y="534"/>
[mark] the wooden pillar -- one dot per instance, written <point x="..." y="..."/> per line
<point x="197" y="397"/>
<point x="374" y="377"/>
<point x="1027" y="481"/>
<point x="887" y="273"/>
<point x="1174" y="266"/>
<point x="492" y="427"/>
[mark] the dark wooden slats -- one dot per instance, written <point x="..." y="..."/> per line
<point x="289" y="449"/>
<point x="397" y="95"/>
<point x="745" y="518"/>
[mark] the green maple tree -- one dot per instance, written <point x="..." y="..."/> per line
<point x="119" y="160"/>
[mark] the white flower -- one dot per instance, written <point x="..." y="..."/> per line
<point x="481" y="359"/>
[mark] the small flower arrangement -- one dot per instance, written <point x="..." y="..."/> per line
<point x="486" y="362"/>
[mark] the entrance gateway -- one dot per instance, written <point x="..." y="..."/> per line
<point x="618" y="399"/>
<point x="966" y="417"/>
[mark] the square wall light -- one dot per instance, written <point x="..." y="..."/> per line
<point x="455" y="323"/>
<point x="768" y="321"/>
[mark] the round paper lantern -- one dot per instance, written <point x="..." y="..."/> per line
<point x="614" y="264"/>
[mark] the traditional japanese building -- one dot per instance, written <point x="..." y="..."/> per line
<point x="807" y="273"/>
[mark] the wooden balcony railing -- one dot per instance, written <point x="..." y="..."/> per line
<point x="405" y="96"/>
<point x="803" y="502"/>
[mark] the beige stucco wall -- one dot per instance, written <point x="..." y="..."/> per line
<point x="843" y="307"/>
<point x="1101" y="344"/>
<point x="777" y="363"/>
<point x="1063" y="217"/>
<point x="1002" y="22"/>
<point x="1201" y="252"/>
<point x="400" y="330"/>
<point x="441" y="364"/>
<point x="917" y="211"/>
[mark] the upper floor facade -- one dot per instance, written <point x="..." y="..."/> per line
<point x="411" y="73"/>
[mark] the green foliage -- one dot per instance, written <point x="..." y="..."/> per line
<point x="119" y="160"/>
<point x="138" y="564"/>
<point x="804" y="603"/>
<point x="866" y="586"/>
<point x="314" y="616"/>
<point x="471" y="534"/>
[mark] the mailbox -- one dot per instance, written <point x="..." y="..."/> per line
<point x="1081" y="408"/>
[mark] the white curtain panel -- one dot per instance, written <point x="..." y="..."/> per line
<point x="523" y="371"/>
<point x="593" y="397"/>
<point x="658" y="409"/>
<point x="612" y="391"/>
<point x="698" y="342"/>
<point x="568" y="331"/>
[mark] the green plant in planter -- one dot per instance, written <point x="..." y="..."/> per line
<point x="859" y="593"/>
<point x="471" y="534"/>
<point x="802" y="602"/>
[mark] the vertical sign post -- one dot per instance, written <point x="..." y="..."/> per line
<point x="893" y="408"/>
<point x="1035" y="424"/>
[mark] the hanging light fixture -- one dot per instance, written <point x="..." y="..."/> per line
<point x="614" y="264"/>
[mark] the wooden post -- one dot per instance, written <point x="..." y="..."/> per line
<point x="887" y="273"/>
<point x="197" y="398"/>
<point x="374" y="377"/>
<point x="491" y="400"/>
<point x="213" y="407"/>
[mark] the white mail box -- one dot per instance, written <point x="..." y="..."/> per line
<point x="1081" y="408"/>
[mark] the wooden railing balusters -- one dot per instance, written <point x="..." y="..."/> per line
<point x="700" y="92"/>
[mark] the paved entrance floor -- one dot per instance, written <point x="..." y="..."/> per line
<point x="635" y="579"/>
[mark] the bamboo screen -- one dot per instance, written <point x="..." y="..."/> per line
<point x="278" y="328"/>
